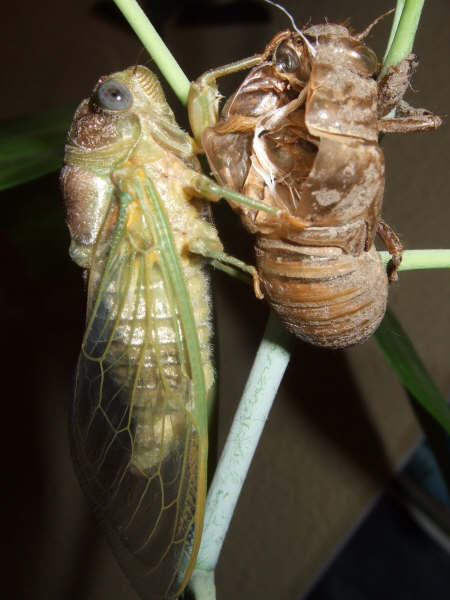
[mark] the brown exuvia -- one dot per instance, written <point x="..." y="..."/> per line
<point x="301" y="134"/>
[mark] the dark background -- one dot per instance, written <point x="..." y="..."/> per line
<point x="341" y="423"/>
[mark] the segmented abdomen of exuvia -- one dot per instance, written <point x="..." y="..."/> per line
<point x="323" y="295"/>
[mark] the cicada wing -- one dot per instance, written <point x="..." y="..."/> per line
<point x="135" y="442"/>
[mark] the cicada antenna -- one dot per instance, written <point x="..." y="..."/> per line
<point x="294" y="25"/>
<point x="367" y="30"/>
<point x="138" y="58"/>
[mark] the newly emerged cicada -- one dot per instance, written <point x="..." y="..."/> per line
<point x="301" y="134"/>
<point x="138" y="422"/>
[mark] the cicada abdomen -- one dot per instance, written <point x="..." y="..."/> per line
<point x="138" y="421"/>
<point x="323" y="295"/>
<point x="301" y="134"/>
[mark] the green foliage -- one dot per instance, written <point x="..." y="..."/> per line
<point x="404" y="360"/>
<point x="32" y="146"/>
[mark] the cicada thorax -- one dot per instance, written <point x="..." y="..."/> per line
<point x="312" y="150"/>
<point x="139" y="416"/>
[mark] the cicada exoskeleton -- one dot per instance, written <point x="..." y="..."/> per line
<point x="138" y="423"/>
<point x="301" y="134"/>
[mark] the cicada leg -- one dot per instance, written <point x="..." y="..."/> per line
<point x="209" y="189"/>
<point x="391" y="90"/>
<point x="203" y="100"/>
<point x="225" y="262"/>
<point x="393" y="246"/>
<point x="411" y="119"/>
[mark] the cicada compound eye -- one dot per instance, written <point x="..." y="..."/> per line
<point x="363" y="58"/>
<point x="368" y="58"/>
<point x="286" y="58"/>
<point x="113" y="95"/>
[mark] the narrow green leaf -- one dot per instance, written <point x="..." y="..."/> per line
<point x="404" y="360"/>
<point x="32" y="146"/>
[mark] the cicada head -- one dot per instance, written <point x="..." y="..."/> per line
<point x="108" y="125"/>
<point x="104" y="131"/>
<point x="291" y="59"/>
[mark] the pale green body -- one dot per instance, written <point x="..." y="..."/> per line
<point x="139" y="417"/>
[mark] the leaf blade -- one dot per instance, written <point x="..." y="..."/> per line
<point x="407" y="364"/>
<point x="32" y="146"/>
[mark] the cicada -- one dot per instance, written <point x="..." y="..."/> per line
<point x="301" y="134"/>
<point x="138" y="423"/>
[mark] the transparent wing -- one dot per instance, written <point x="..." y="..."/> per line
<point x="137" y="444"/>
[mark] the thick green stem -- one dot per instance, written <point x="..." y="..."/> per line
<point x="404" y="28"/>
<point x="157" y="49"/>
<point x="395" y="22"/>
<point x="267" y="372"/>
<point x="421" y="259"/>
<point x="202" y="584"/>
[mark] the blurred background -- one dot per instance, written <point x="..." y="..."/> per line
<point x="342" y="424"/>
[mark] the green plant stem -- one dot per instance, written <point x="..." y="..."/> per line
<point x="404" y="28"/>
<point x="421" y="259"/>
<point x="202" y="584"/>
<point x="395" y="21"/>
<point x="267" y="372"/>
<point x="154" y="45"/>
